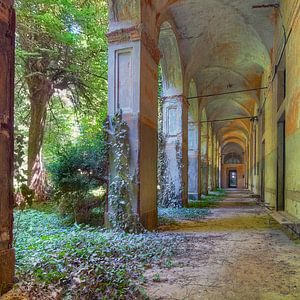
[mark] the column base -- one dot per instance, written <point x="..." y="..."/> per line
<point x="7" y="270"/>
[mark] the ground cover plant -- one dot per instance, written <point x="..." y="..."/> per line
<point x="196" y="210"/>
<point x="60" y="261"/>
<point x="208" y="201"/>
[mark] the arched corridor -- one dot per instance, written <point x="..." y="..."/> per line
<point x="229" y="92"/>
<point x="229" y="102"/>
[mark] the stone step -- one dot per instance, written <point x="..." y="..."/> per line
<point x="285" y="218"/>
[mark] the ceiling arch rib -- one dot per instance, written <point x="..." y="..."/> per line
<point x="225" y="46"/>
<point x="234" y="140"/>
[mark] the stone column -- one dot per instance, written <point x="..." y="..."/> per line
<point x="7" y="38"/>
<point x="203" y="132"/>
<point x="208" y="156"/>
<point x="251" y="160"/>
<point x="194" y="153"/>
<point x="175" y="128"/>
<point x="217" y="164"/>
<point x="220" y="167"/>
<point x="213" y="143"/>
<point x="133" y="80"/>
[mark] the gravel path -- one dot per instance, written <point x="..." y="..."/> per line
<point x="237" y="252"/>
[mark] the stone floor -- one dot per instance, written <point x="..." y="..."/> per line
<point x="238" y="252"/>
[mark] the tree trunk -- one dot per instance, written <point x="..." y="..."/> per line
<point x="41" y="91"/>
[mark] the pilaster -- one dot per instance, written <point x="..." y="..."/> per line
<point x="175" y="128"/>
<point x="133" y="81"/>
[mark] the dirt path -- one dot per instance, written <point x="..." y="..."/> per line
<point x="235" y="253"/>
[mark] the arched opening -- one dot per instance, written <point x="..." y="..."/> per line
<point x="233" y="166"/>
<point x="172" y="152"/>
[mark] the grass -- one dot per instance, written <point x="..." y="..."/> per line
<point x="209" y="201"/>
<point x="81" y="262"/>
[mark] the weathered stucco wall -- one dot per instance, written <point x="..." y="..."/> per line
<point x="288" y="111"/>
<point x="291" y="10"/>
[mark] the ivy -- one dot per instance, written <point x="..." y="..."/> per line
<point x="60" y="261"/>
<point x="121" y="215"/>
<point x="166" y="193"/>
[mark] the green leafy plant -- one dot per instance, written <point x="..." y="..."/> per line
<point x="166" y="192"/>
<point x="121" y="215"/>
<point x="82" y="262"/>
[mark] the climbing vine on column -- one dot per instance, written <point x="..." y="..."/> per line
<point x="166" y="193"/>
<point x="121" y="215"/>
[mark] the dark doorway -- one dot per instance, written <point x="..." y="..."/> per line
<point x="232" y="179"/>
<point x="281" y="164"/>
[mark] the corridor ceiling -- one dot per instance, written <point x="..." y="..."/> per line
<point x="225" y="45"/>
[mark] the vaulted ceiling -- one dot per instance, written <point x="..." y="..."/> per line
<point x="225" y="46"/>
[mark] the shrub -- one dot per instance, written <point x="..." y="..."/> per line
<point x="82" y="207"/>
<point x="74" y="173"/>
<point x="79" y="168"/>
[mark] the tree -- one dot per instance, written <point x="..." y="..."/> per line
<point x="61" y="46"/>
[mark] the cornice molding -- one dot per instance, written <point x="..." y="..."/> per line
<point x="181" y="98"/>
<point x="133" y="34"/>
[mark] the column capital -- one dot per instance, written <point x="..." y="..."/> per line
<point x="133" y="34"/>
<point x="180" y="98"/>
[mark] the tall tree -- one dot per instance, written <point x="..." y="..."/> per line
<point x="61" y="46"/>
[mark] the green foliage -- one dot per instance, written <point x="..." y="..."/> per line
<point x="19" y="158"/>
<point x="121" y="215"/>
<point x="170" y="216"/>
<point x="65" y="41"/>
<point x="211" y="200"/>
<point x="195" y="211"/>
<point x="62" y="42"/>
<point x="82" y="208"/>
<point x="27" y="194"/>
<point x="80" y="262"/>
<point x="166" y="192"/>
<point x="79" y="167"/>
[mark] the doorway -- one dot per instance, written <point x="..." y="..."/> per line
<point x="280" y="203"/>
<point x="233" y="179"/>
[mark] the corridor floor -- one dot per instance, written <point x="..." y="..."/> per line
<point x="237" y="252"/>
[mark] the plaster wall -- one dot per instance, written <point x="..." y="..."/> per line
<point x="289" y="108"/>
<point x="291" y="11"/>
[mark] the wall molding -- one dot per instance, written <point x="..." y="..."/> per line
<point x="133" y="34"/>
<point x="180" y="98"/>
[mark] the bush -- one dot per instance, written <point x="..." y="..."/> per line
<point x="82" y="208"/>
<point x="79" y="168"/>
<point x="74" y="173"/>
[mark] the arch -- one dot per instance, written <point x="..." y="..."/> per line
<point x="193" y="103"/>
<point x="172" y="76"/>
